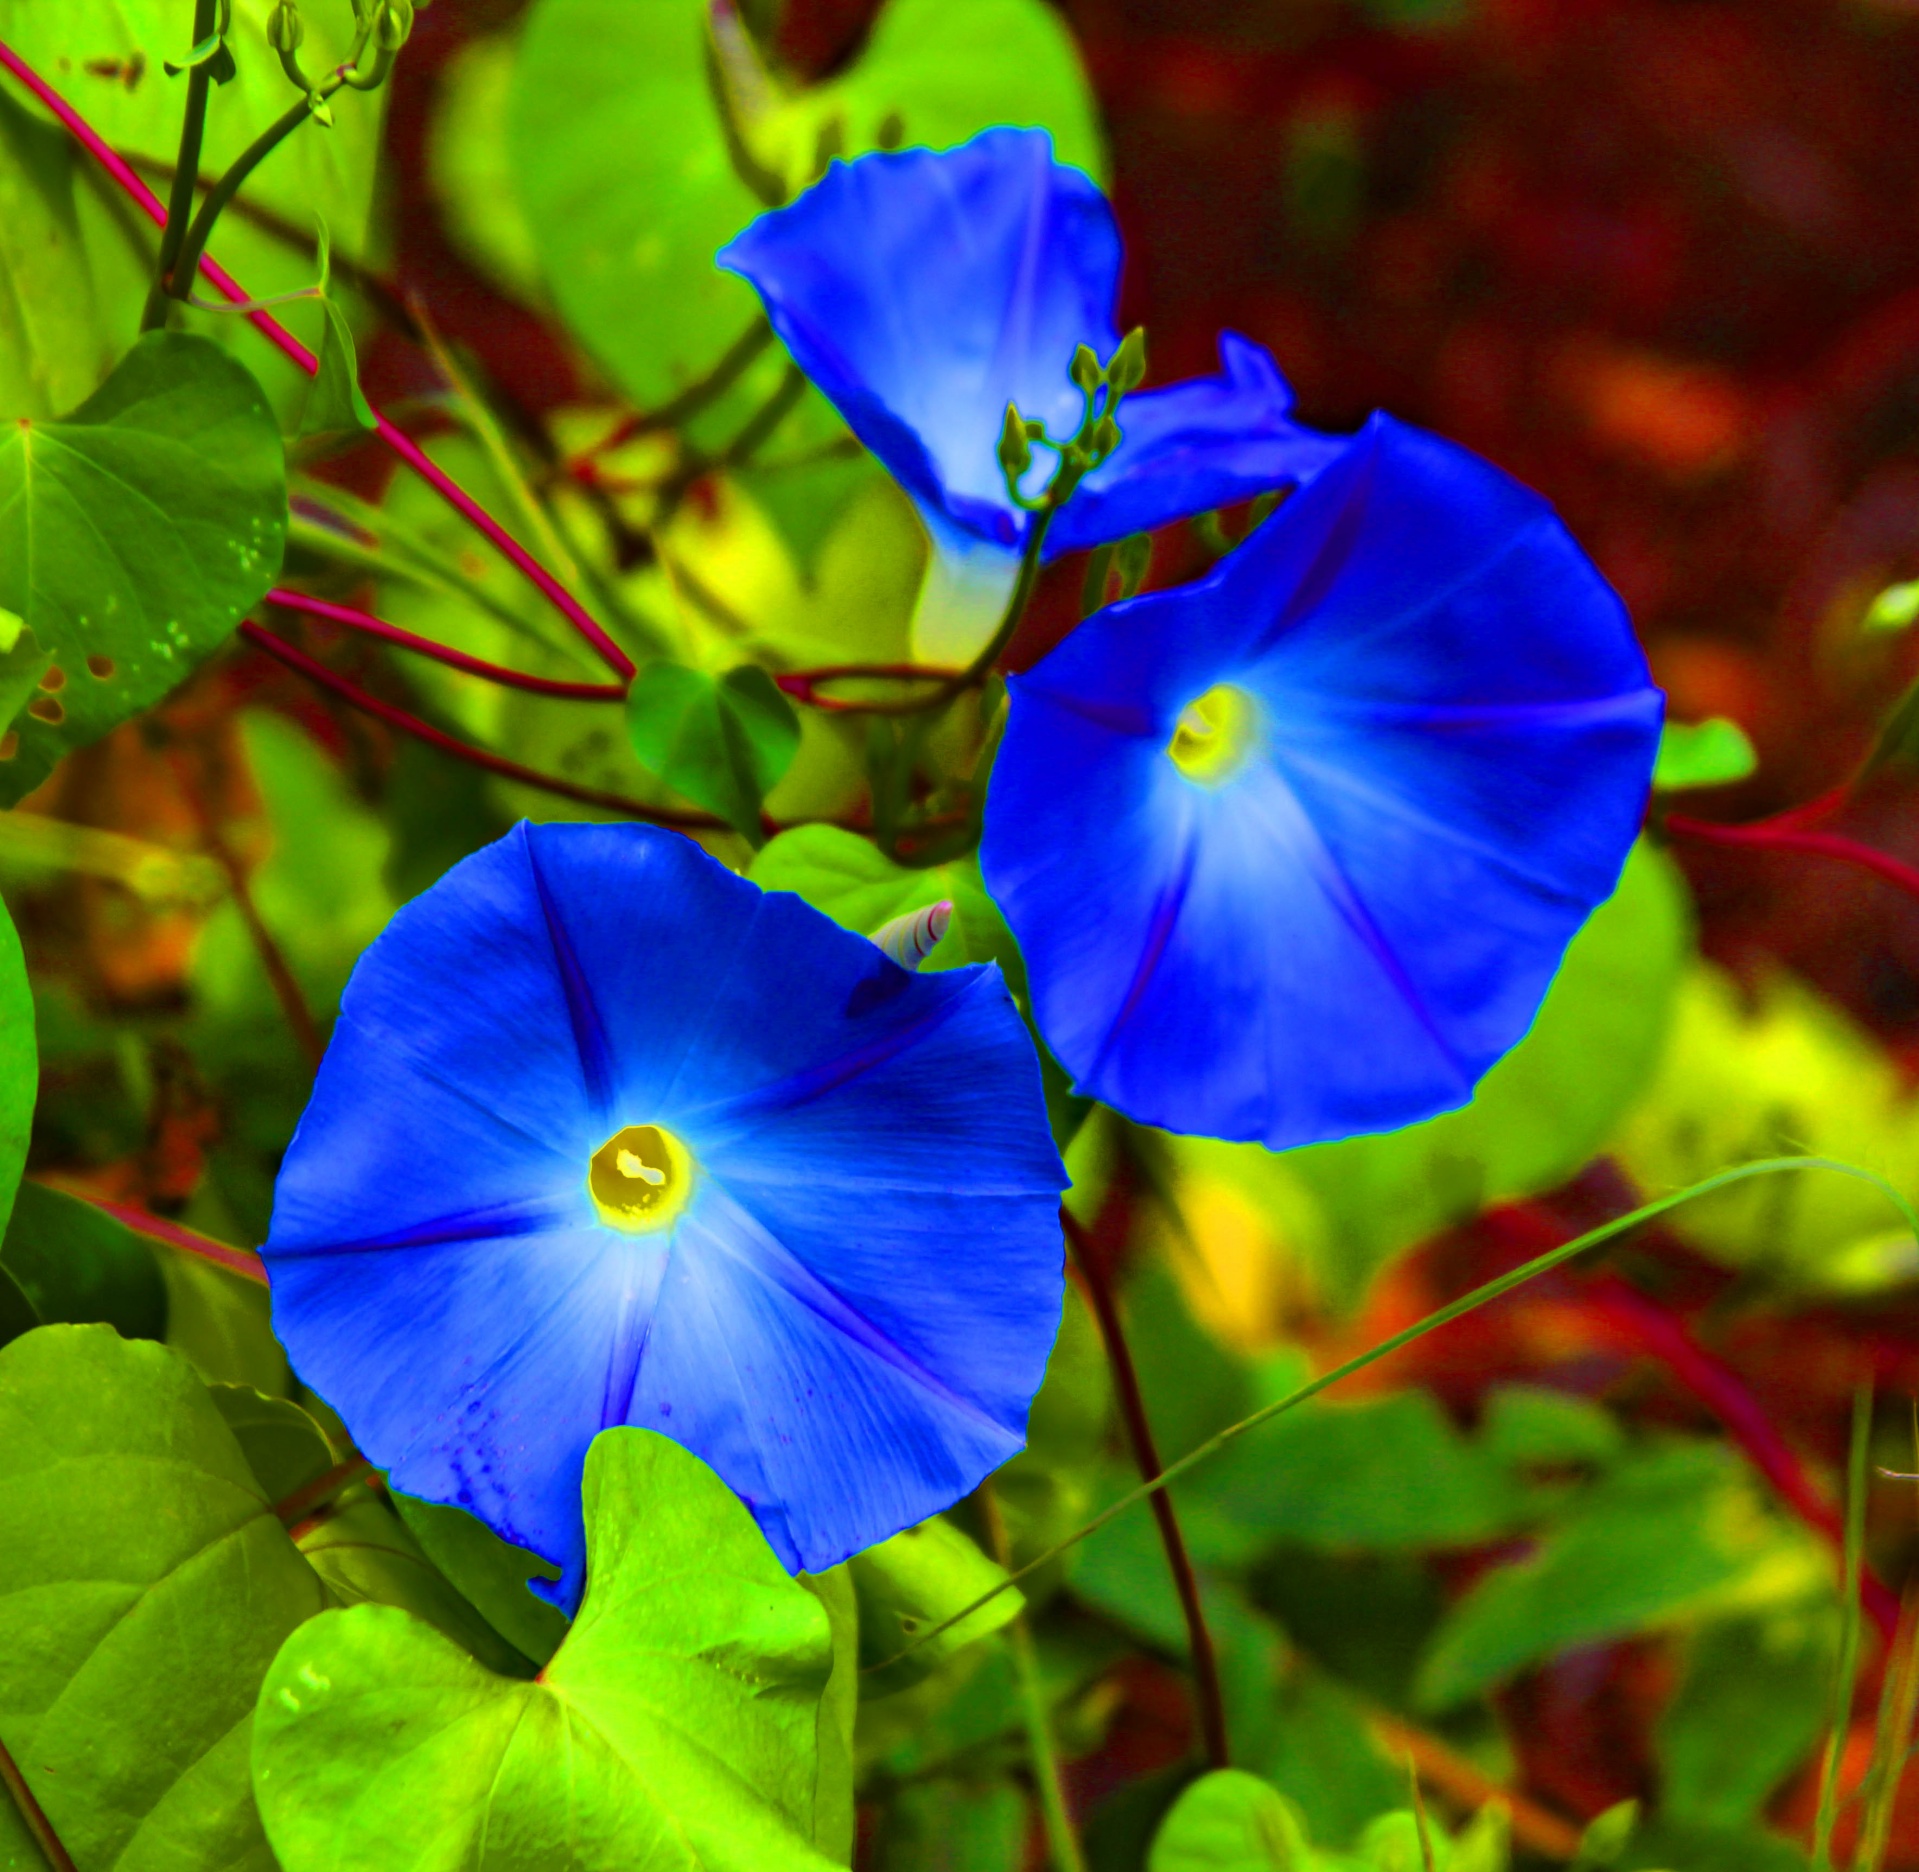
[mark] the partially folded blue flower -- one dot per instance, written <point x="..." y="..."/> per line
<point x="606" y="1135"/>
<point x="923" y="292"/>
<point x="1292" y="853"/>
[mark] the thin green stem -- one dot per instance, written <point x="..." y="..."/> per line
<point x="1062" y="1839"/>
<point x="229" y="185"/>
<point x="255" y="153"/>
<point x="1848" y="1673"/>
<point x="1470" y="1303"/>
<point x="193" y="129"/>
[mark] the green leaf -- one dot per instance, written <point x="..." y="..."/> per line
<point x="628" y="247"/>
<point x="469" y="165"/>
<point x="1231" y="1821"/>
<point x="144" y="1588"/>
<point x="134" y="535"/>
<point x="833" y="1804"/>
<point x="859" y="887"/>
<point x="948" y="1825"/>
<point x="1751" y="1071"/>
<point x="19" y="1063"/>
<point x="1894" y="609"/>
<point x="1750" y="1709"/>
<point x="1383" y="1474"/>
<point x="491" y="1574"/>
<point x="1714" y="752"/>
<point x="1671" y="1535"/>
<point x="723" y="743"/>
<point x="77" y="1264"/>
<point x="365" y="1555"/>
<point x="223" y="1324"/>
<point x="18" y="1314"/>
<point x="1607" y="1835"/>
<point x="677" y="1724"/>
<point x="1324" y="1759"/>
<point x="283" y="1446"/>
<point x="336" y="411"/>
<point x="913" y="1582"/>
<point x="23" y="666"/>
<point x="52" y="351"/>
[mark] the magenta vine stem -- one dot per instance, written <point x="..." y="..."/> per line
<point x="1787" y="838"/>
<point x="802" y="686"/>
<point x="188" y="1241"/>
<point x="1139" y="1436"/>
<point x="369" y="625"/>
<point x="277" y="334"/>
<point x="394" y="716"/>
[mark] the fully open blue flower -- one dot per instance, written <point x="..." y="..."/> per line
<point x="1293" y="852"/>
<point x="606" y="1135"/>
<point x="923" y="292"/>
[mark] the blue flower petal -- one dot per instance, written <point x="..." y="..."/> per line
<point x="1204" y="443"/>
<point x="923" y="292"/>
<point x="872" y="1238"/>
<point x="1455" y="737"/>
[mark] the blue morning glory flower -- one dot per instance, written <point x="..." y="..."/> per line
<point x="923" y="292"/>
<point x="606" y="1135"/>
<point x="1293" y="852"/>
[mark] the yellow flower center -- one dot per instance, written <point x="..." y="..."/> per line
<point x="640" y="1179"/>
<point x="1215" y="734"/>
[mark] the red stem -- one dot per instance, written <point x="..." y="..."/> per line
<point x="189" y="1241"/>
<point x="372" y="626"/>
<point x="802" y="685"/>
<point x="395" y="717"/>
<point x="33" y="1815"/>
<point x="402" y="445"/>
<point x="1774" y="837"/>
<point x="1139" y="1433"/>
<point x="1662" y="1335"/>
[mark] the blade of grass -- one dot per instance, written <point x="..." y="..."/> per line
<point x="1848" y="1674"/>
<point x="1898" y="1703"/>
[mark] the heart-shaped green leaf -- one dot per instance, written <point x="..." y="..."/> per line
<point x="677" y="1726"/>
<point x="1230" y="1821"/>
<point x="144" y="1588"/>
<point x="723" y="742"/>
<point x="134" y="534"/>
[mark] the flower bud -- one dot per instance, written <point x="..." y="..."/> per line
<point x="396" y="25"/>
<point x="1126" y="369"/>
<point x="1015" y="451"/>
<point x="286" y="30"/>
<point x="1086" y="373"/>
<point x="1102" y="440"/>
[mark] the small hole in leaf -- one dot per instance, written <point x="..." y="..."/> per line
<point x="100" y="666"/>
<point x="9" y="745"/>
<point x="55" y="678"/>
<point x="46" y="709"/>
